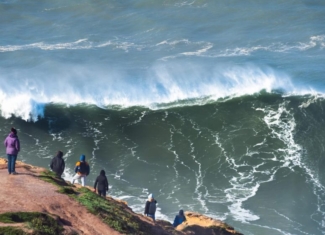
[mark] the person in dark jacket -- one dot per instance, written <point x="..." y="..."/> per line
<point x="57" y="164"/>
<point x="180" y="218"/>
<point x="82" y="170"/>
<point x="12" y="145"/>
<point x="150" y="207"/>
<point x="102" y="183"/>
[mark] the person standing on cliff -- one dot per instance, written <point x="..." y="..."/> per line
<point x="82" y="170"/>
<point x="12" y="145"/>
<point x="57" y="164"/>
<point x="102" y="182"/>
<point x="150" y="207"/>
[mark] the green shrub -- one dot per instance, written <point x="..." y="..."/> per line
<point x="44" y="224"/>
<point x="66" y="190"/>
<point x="8" y="230"/>
<point x="18" y="217"/>
<point x="40" y="223"/>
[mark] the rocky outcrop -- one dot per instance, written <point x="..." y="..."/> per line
<point x="35" y="196"/>
<point x="200" y="224"/>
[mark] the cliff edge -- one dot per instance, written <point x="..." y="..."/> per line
<point x="36" y="202"/>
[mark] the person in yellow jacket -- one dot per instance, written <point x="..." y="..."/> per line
<point x="82" y="170"/>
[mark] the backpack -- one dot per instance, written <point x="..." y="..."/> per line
<point x="152" y="208"/>
<point x="83" y="168"/>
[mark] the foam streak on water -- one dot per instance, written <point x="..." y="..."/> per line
<point x="282" y="124"/>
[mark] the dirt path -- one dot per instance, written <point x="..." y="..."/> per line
<point x="28" y="193"/>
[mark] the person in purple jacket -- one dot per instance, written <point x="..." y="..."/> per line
<point x="12" y="148"/>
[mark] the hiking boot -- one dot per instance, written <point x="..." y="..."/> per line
<point x="14" y="173"/>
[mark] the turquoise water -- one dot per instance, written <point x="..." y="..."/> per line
<point x="213" y="106"/>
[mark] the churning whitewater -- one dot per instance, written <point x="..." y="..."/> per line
<point x="215" y="107"/>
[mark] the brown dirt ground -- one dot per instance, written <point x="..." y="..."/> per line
<point x="30" y="194"/>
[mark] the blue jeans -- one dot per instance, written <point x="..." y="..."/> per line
<point x="152" y="216"/>
<point x="11" y="162"/>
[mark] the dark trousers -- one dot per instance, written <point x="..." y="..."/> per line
<point x="58" y="174"/>
<point x="102" y="193"/>
<point x="152" y="216"/>
<point x="11" y="163"/>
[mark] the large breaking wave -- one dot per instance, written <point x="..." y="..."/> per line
<point x="28" y="91"/>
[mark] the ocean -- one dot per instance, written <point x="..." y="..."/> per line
<point x="213" y="106"/>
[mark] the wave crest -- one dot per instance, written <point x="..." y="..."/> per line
<point x="163" y="84"/>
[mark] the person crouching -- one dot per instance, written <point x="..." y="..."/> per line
<point x="180" y="218"/>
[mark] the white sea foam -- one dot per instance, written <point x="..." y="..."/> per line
<point x="282" y="124"/>
<point x="279" y="231"/>
<point x="244" y="185"/>
<point x="137" y="204"/>
<point x="29" y="91"/>
<point x="197" y="171"/>
<point x="313" y="42"/>
<point x="174" y="43"/>
<point x="185" y="3"/>
<point x="204" y="49"/>
<point x="81" y="44"/>
<point x="200" y="51"/>
<point x="191" y="48"/>
<point x="198" y="48"/>
<point x="68" y="175"/>
<point x="238" y="193"/>
<point x="283" y="129"/>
